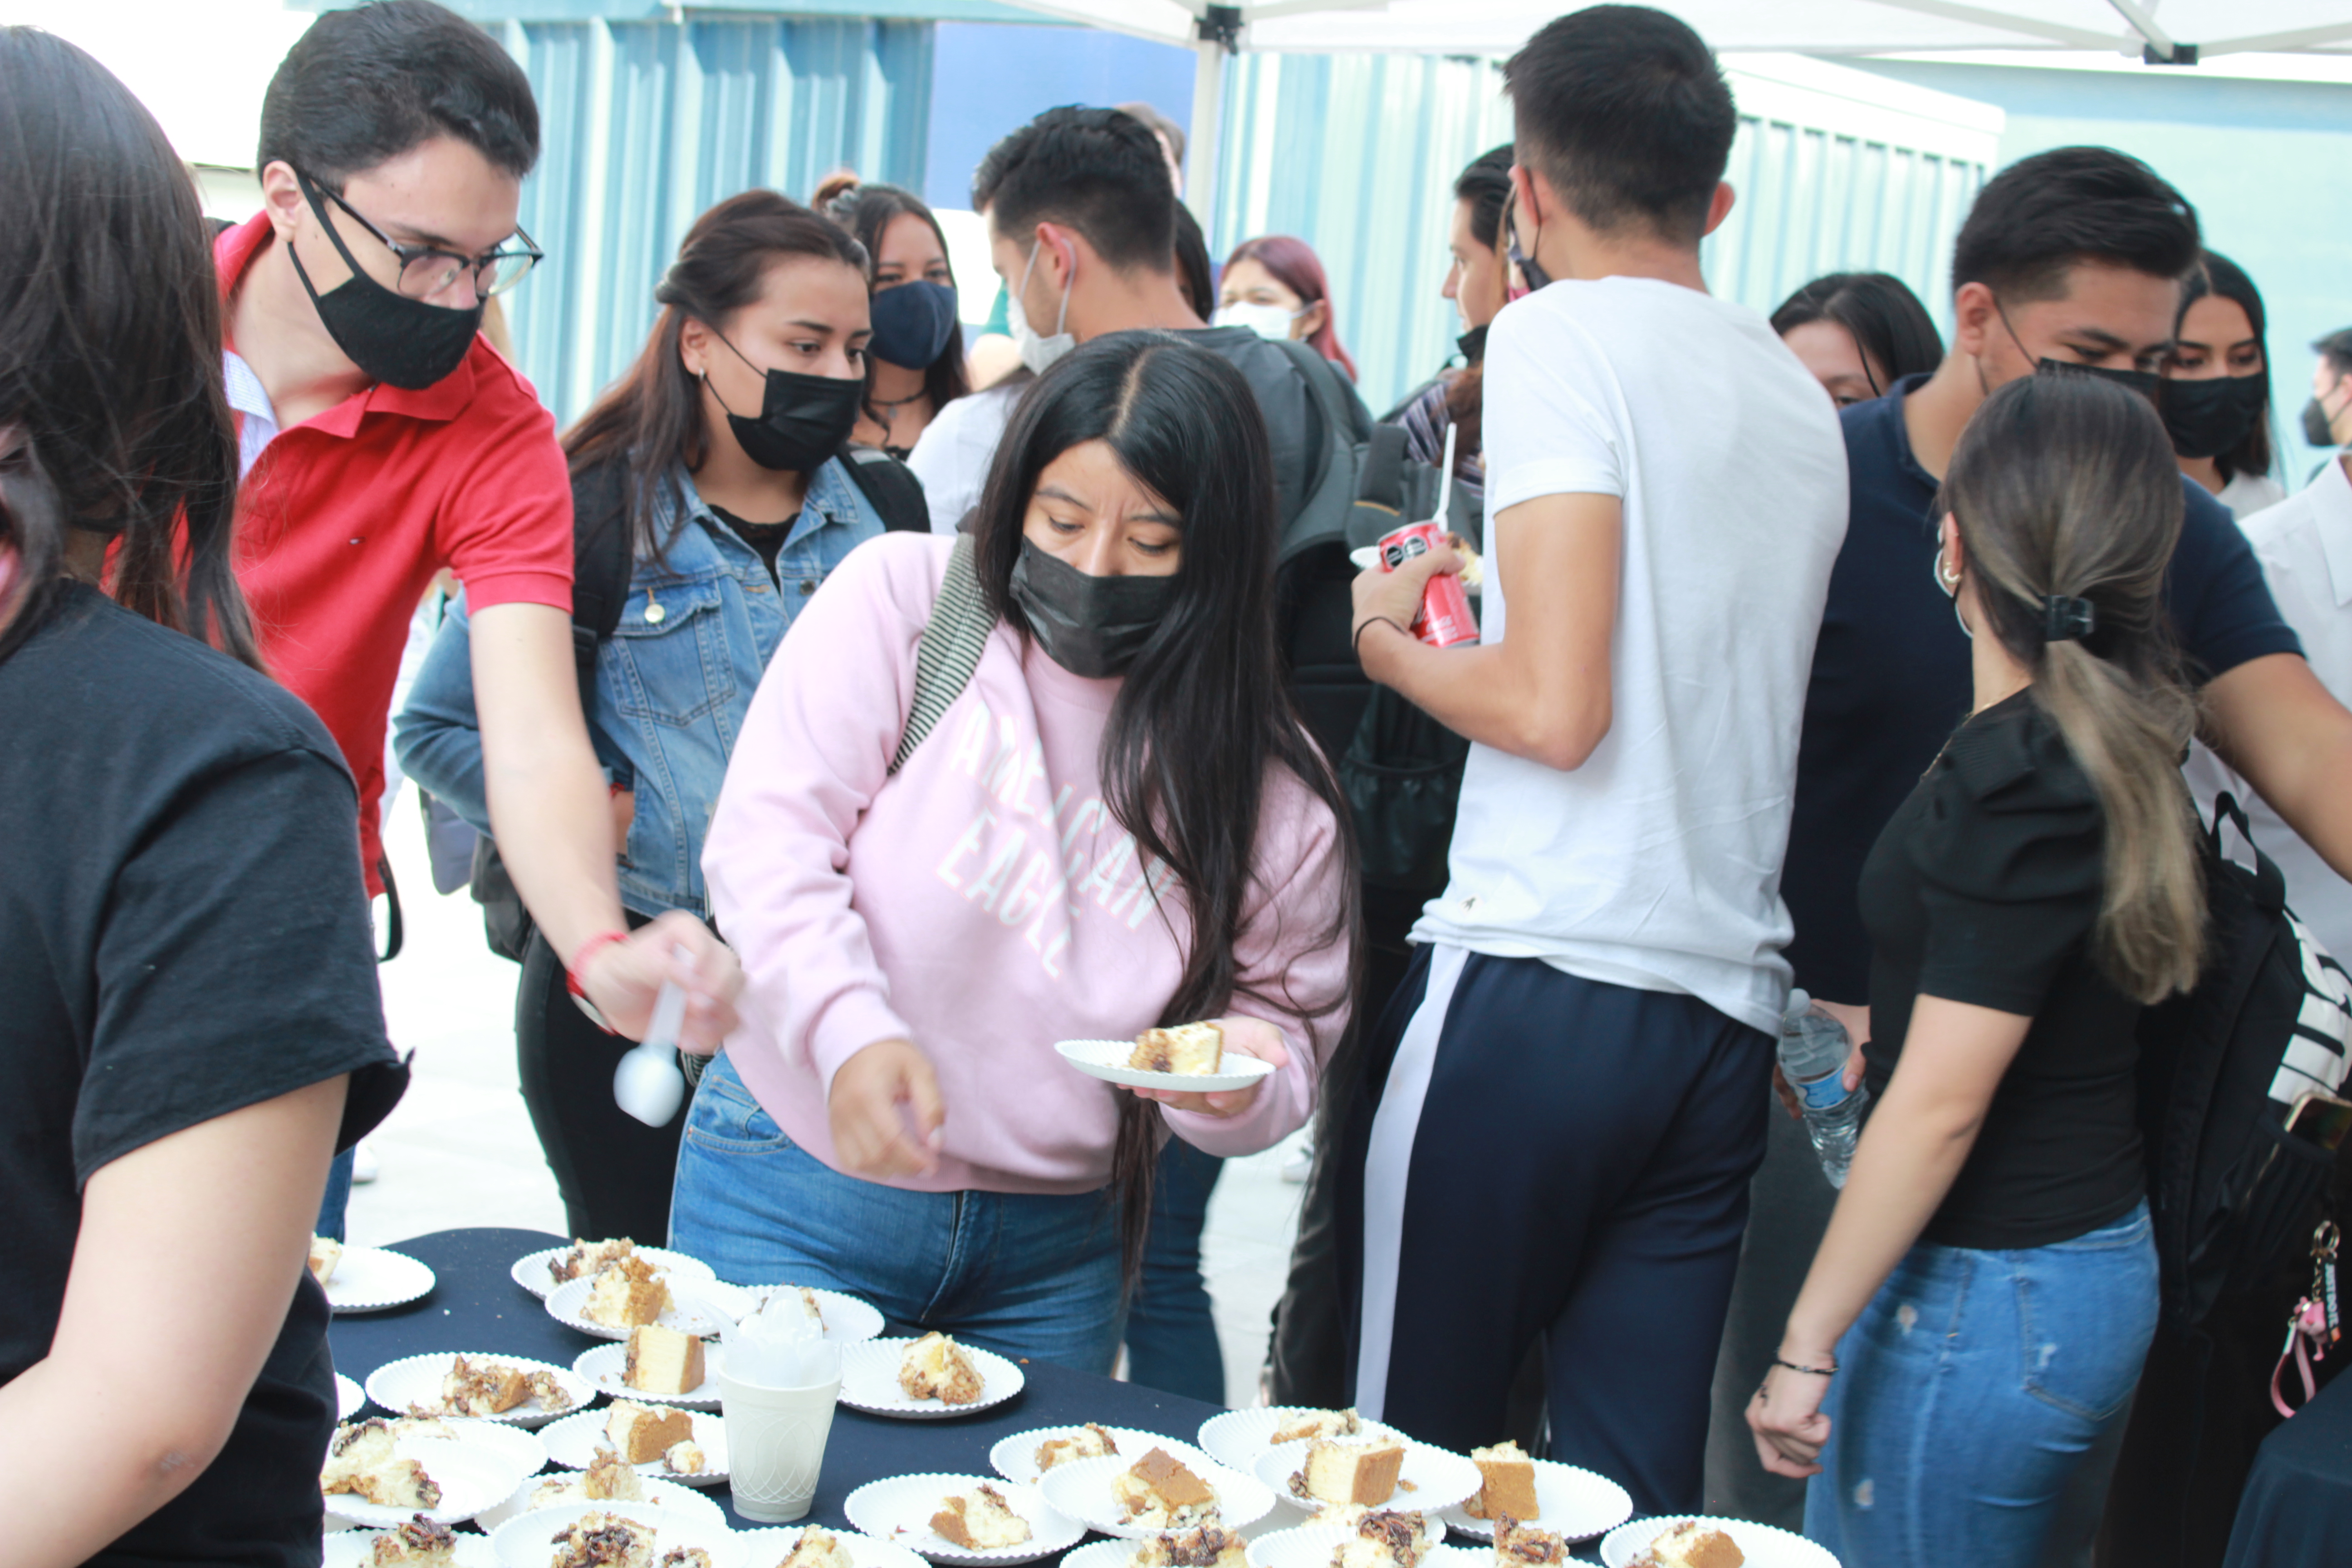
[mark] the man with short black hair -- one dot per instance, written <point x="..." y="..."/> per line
<point x="383" y="439"/>
<point x="2327" y="417"/>
<point x="1582" y="1053"/>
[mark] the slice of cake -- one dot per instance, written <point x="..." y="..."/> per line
<point x="1210" y="1546"/>
<point x="589" y="1258"/>
<point x="686" y="1458"/>
<point x="1302" y="1424"/>
<point x="479" y="1388"/>
<point x="818" y="1548"/>
<point x="549" y="1390"/>
<point x="325" y="1253"/>
<point x="644" y="1435"/>
<point x="628" y="1293"/>
<point x="1186" y="1048"/>
<point x="419" y="1543"/>
<point x="1507" y="1483"/>
<point x="979" y="1520"/>
<point x="603" y="1541"/>
<point x="1088" y="1442"/>
<point x="362" y="1463"/>
<point x="1386" y="1538"/>
<point x="1692" y="1545"/>
<point x="1348" y="1472"/>
<point x="936" y="1367"/>
<point x="686" y="1557"/>
<point x="1517" y="1543"/>
<point x="608" y="1479"/>
<point x="1158" y="1493"/>
<point x="663" y="1361"/>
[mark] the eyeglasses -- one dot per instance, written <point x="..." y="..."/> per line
<point x="425" y="271"/>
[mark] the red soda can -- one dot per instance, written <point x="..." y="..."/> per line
<point x="1444" y="620"/>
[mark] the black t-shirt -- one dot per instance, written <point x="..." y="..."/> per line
<point x="183" y="934"/>
<point x="1891" y="674"/>
<point x="1984" y="888"/>
<point x="765" y="538"/>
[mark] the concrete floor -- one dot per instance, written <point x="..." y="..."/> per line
<point x="459" y="1150"/>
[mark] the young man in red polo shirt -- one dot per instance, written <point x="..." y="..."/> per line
<point x="383" y="439"/>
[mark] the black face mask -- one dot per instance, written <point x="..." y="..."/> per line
<point x="2318" y="430"/>
<point x="1473" y="344"/>
<point x="2207" y="418"/>
<point x="392" y="338"/>
<point x="2146" y="383"/>
<point x="911" y="322"/>
<point x="1091" y="626"/>
<point x="803" y="419"/>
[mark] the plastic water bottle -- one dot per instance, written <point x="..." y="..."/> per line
<point x="1814" y="1051"/>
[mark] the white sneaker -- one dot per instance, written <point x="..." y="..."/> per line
<point x="1299" y="1162"/>
<point x="365" y="1167"/>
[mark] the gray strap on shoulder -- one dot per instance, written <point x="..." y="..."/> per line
<point x="949" y="649"/>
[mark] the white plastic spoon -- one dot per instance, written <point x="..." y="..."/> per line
<point x="646" y="1084"/>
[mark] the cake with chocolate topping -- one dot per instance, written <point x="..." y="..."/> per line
<point x="419" y="1543"/>
<point x="1205" y="1546"/>
<point x="1195" y="1049"/>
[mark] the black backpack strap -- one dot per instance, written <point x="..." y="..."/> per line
<point x="603" y="562"/>
<point x="950" y="647"/>
<point x="891" y="487"/>
<point x="1345" y="422"/>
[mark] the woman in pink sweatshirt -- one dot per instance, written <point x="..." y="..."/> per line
<point x="1119" y="822"/>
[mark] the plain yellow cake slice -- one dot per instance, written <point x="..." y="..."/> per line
<point x="1348" y="1472"/>
<point x="663" y="1361"/>
<point x="1507" y="1483"/>
<point x="1158" y="1493"/>
<point x="642" y="1435"/>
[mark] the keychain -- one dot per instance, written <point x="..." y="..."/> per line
<point x="2317" y="1325"/>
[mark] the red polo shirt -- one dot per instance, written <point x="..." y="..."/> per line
<point x="345" y="517"/>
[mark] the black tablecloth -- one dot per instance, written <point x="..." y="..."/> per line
<point x="2297" y="1507"/>
<point x="474" y="1305"/>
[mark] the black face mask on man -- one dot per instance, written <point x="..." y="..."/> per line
<point x="2207" y="418"/>
<point x="392" y="338"/>
<point x="2145" y="383"/>
<point x="2318" y="427"/>
<point x="1092" y="627"/>
<point x="803" y="419"/>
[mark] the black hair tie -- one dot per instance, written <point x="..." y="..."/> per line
<point x="2068" y="620"/>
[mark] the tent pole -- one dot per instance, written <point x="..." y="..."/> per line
<point x="1204" y="140"/>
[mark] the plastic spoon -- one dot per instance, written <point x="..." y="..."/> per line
<point x="646" y="1084"/>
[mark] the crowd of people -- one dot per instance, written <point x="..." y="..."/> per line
<point x="913" y="699"/>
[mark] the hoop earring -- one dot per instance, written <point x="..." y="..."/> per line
<point x="1949" y="582"/>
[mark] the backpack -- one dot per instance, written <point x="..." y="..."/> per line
<point x="604" y="560"/>
<point x="2231" y="1189"/>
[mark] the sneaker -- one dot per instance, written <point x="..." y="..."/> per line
<point x="365" y="1167"/>
<point x="1298" y="1162"/>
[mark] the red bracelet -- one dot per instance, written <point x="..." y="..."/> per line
<point x="587" y="950"/>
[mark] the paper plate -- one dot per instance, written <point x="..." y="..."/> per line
<point x="417" y="1379"/>
<point x="1311" y="1546"/>
<point x="1107" y="1059"/>
<point x="529" y="1270"/>
<point x="1081" y="1489"/>
<point x="571" y="1443"/>
<point x="899" y="1510"/>
<point x="848" y="1320"/>
<point x="472" y="1478"/>
<point x="869" y="1382"/>
<point x="348" y="1397"/>
<point x="1760" y="1544"/>
<point x="369" y="1279"/>
<point x="356" y="1548"/>
<point x="658" y="1494"/>
<point x="1111" y="1553"/>
<point x="690" y="1312"/>
<point x="1576" y="1505"/>
<point x="522" y="1541"/>
<point x="1239" y="1438"/>
<point x="602" y="1367"/>
<point x="1016" y="1457"/>
<point x="1432" y="1480"/>
<point x="767" y="1548"/>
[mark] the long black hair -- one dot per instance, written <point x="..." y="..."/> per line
<point x="866" y="211"/>
<point x="1878" y="310"/>
<point x="2217" y="274"/>
<point x="652" y="418"/>
<point x="109" y="352"/>
<point x="1205" y="717"/>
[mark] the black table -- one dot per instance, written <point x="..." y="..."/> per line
<point x="2297" y="1507"/>
<point x="474" y="1305"/>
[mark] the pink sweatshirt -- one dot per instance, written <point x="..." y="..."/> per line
<point x="981" y="904"/>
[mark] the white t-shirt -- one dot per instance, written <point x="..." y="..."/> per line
<point x="2247" y="494"/>
<point x="952" y="455"/>
<point x="1656" y="865"/>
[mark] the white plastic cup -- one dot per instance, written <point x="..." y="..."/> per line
<point x="775" y="1445"/>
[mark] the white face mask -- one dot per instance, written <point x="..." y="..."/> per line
<point x="1038" y="353"/>
<point x="1266" y="320"/>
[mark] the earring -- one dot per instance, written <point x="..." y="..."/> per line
<point x="1948" y="581"/>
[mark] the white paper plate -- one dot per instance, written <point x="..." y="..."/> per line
<point x="689" y="1313"/>
<point x="356" y="1548"/>
<point x="417" y="1379"/>
<point x="1082" y="1490"/>
<point x="1016" y="1457"/>
<point x="602" y="1367"/>
<point x="369" y="1279"/>
<point x="1107" y="1059"/>
<point x="1763" y="1546"/>
<point x="899" y="1510"/>
<point x="848" y="1320"/>
<point x="1311" y="1545"/>
<point x="529" y="1270"/>
<point x="522" y="1541"/>
<point x="1238" y="1439"/>
<point x="1576" y="1505"/>
<point x="658" y="1494"/>
<point x="767" y="1548"/>
<point x="869" y="1382"/>
<point x="1432" y="1480"/>
<point x="472" y="1478"/>
<point x="1112" y="1553"/>
<point x="571" y="1443"/>
<point x="348" y="1397"/>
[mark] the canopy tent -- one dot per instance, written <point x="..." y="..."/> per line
<point x="2187" y="32"/>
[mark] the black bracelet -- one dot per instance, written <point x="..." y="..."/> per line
<point x="1356" y="643"/>
<point x="1829" y="1371"/>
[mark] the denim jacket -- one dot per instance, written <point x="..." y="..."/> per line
<point x="672" y="681"/>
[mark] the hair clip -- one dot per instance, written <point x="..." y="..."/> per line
<point x="2068" y="620"/>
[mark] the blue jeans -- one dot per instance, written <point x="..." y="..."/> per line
<point x="337" y="1199"/>
<point x="1171" y="1339"/>
<point x="1970" y="1390"/>
<point x="1018" y="1273"/>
